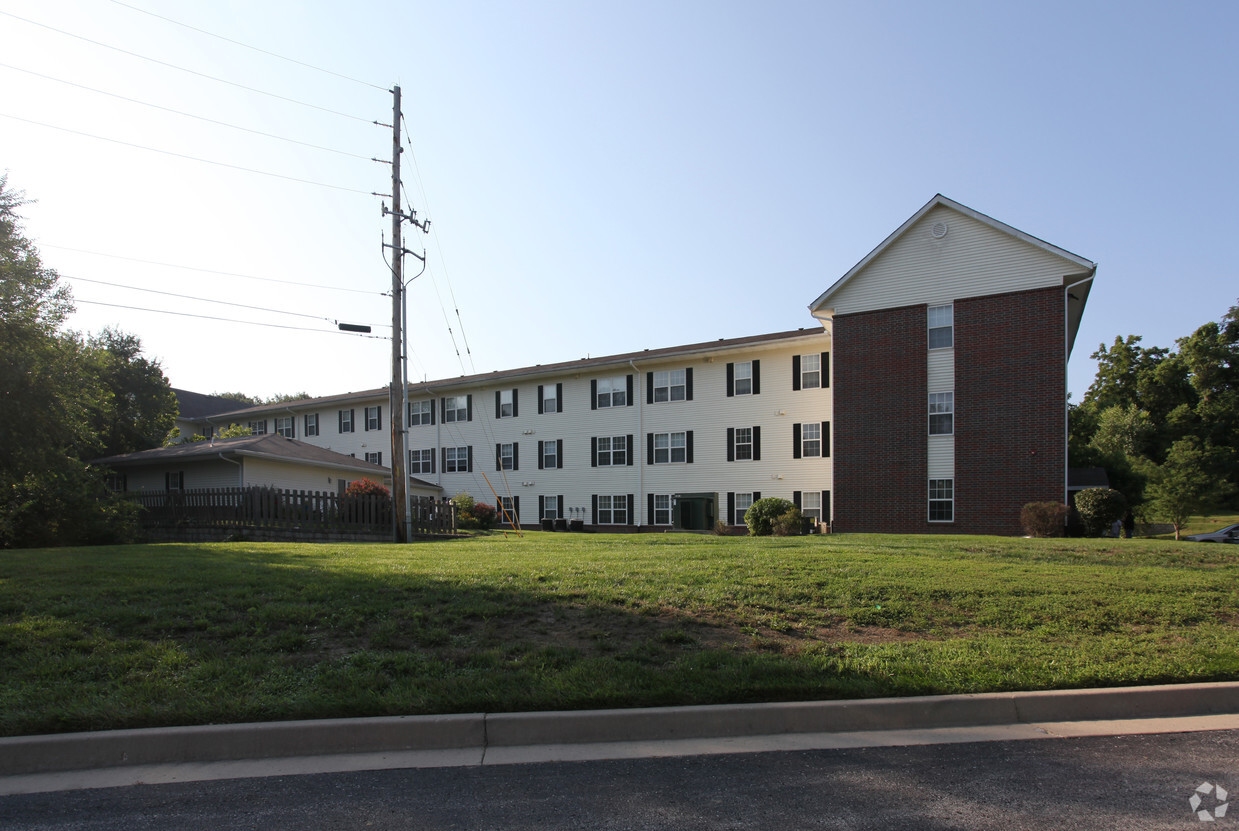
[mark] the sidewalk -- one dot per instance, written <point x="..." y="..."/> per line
<point x="124" y="757"/>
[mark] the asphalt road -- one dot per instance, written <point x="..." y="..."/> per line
<point x="1122" y="782"/>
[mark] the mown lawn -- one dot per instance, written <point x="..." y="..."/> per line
<point x="137" y="636"/>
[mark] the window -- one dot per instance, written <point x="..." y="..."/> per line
<point x="611" y="392"/>
<point x="258" y="428"/>
<point x="811" y="439"/>
<point x="174" y="481"/>
<point x="941" y="413"/>
<point x="662" y="508"/>
<point x="669" y="385"/>
<point x="509" y="510"/>
<point x="549" y="452"/>
<point x="505" y="403"/>
<point x="941" y="500"/>
<point x="346" y="421"/>
<point x="284" y="426"/>
<point x="669" y="448"/>
<point x="811" y="504"/>
<point x="550" y="506"/>
<point x="550" y="398"/>
<point x="374" y="418"/>
<point x="743" y="502"/>
<point x="941" y="327"/>
<point x="421" y="412"/>
<point x="743" y="381"/>
<point x="311" y="424"/>
<point x="116" y="482"/>
<point x="375" y="458"/>
<point x="505" y="457"/>
<point x="810" y="372"/>
<point x="612" y="509"/>
<point x="456" y="408"/>
<point x="421" y="461"/>
<point x="455" y="459"/>
<point x="743" y="444"/>
<point x="610" y="451"/>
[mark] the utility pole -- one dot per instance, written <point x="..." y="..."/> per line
<point x="399" y="481"/>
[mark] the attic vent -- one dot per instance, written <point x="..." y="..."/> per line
<point x="939" y="230"/>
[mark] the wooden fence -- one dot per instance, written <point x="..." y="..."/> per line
<point x="299" y="513"/>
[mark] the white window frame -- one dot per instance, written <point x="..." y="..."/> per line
<point x="455" y="408"/>
<point x="550" y="507"/>
<point x="742" y="378"/>
<point x="506" y="405"/>
<point x="615" y="392"/>
<point x="550" y="403"/>
<point x="374" y="417"/>
<point x="941" y="321"/>
<point x="258" y="428"/>
<point x="346" y="421"/>
<point x="669" y="446"/>
<point x="506" y="508"/>
<point x="745" y="499"/>
<point x="550" y="455"/>
<point x="815" y="359"/>
<point x="375" y="458"/>
<point x="176" y="481"/>
<point x="506" y="456"/>
<point x="670" y="385"/>
<point x="616" y="449"/>
<point x="942" y="495"/>
<point x="808" y="510"/>
<point x="424" y="463"/>
<point x="311" y="424"/>
<point x="662" y="506"/>
<point x="616" y="510"/>
<point x="811" y="447"/>
<point x="286" y="426"/>
<point x="421" y="412"/>
<point x="743" y="439"/>
<point x="456" y="459"/>
<point x="942" y="413"/>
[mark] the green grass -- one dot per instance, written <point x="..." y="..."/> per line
<point x="135" y="636"/>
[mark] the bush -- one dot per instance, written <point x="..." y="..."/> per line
<point x="1044" y="519"/>
<point x="789" y="524"/>
<point x="69" y="506"/>
<point x="761" y="515"/>
<point x="485" y="516"/>
<point x="366" y="487"/>
<point x="1100" y="508"/>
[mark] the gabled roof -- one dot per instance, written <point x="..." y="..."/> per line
<point x="195" y="405"/>
<point x="1085" y="266"/>
<point x="270" y="446"/>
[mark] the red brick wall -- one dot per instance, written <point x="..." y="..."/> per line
<point x="880" y="421"/>
<point x="1010" y="406"/>
<point x="1010" y="400"/>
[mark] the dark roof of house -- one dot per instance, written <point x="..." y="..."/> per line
<point x="270" y="446"/>
<point x="432" y="387"/>
<point x="194" y="405"/>
<point x="1079" y="478"/>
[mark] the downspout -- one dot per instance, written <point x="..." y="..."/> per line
<point x="240" y="469"/>
<point x="1066" y="358"/>
<point x="640" y="440"/>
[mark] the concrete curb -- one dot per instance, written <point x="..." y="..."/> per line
<point x="478" y="731"/>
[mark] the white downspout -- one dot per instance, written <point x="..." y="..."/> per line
<point x="240" y="469"/>
<point x="1066" y="358"/>
<point x="640" y="442"/>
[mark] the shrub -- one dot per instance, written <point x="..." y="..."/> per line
<point x="789" y="524"/>
<point x="464" y="510"/>
<point x="761" y="515"/>
<point x="1100" y="508"/>
<point x="1044" y="519"/>
<point x="485" y="516"/>
<point x="720" y="528"/>
<point x="68" y="506"/>
<point x="366" y="487"/>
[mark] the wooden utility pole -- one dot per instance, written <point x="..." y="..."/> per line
<point x="399" y="480"/>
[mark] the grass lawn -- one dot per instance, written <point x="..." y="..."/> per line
<point x="136" y="636"/>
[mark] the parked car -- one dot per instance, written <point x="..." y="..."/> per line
<point x="1228" y="534"/>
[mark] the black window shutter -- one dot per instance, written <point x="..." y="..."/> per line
<point x="631" y="450"/>
<point x="688" y="447"/>
<point x="352" y="421"/>
<point x="756" y="444"/>
<point x="593" y="519"/>
<point x="559" y="398"/>
<point x="731" y="380"/>
<point x="443" y="452"/>
<point x="432" y="463"/>
<point x="539" y="399"/>
<point x="443" y="408"/>
<point x="825" y="369"/>
<point x="593" y="451"/>
<point x="470" y="467"/>
<point x="380" y="418"/>
<point x="649" y="508"/>
<point x="515" y="403"/>
<point x="629" y="398"/>
<point x="649" y="388"/>
<point x="516" y="511"/>
<point x="559" y="454"/>
<point x="731" y="508"/>
<point x="731" y="444"/>
<point x="167" y="481"/>
<point x="559" y="512"/>
<point x="756" y="495"/>
<point x="825" y="439"/>
<point x="593" y="393"/>
<point x="540" y="464"/>
<point x="795" y="441"/>
<point x="340" y="421"/>
<point x="649" y="448"/>
<point x="541" y="507"/>
<point x="631" y="505"/>
<point x="432" y="412"/>
<point x="795" y="372"/>
<point x="826" y="506"/>
<point x="496" y="403"/>
<point x="688" y="384"/>
<point x="516" y="455"/>
<point x="796" y="498"/>
<point x="498" y="458"/>
<point x="469" y="407"/>
<point x="756" y="377"/>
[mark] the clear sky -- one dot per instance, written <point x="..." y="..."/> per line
<point x="601" y="177"/>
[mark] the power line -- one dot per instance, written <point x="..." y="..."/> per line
<point x="201" y="299"/>
<point x="248" y="46"/>
<point x="190" y="71"/>
<point x="210" y="271"/>
<point x="191" y="158"/>
<point x="187" y="115"/>
<point x="229" y="319"/>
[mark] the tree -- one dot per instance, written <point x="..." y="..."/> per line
<point x="1100" y="508"/>
<point x="136" y="406"/>
<point x="1185" y="484"/>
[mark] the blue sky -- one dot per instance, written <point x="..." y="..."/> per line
<point x="602" y="177"/>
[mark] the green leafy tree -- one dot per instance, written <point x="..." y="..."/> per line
<point x="1100" y="508"/>
<point x="1186" y="484"/>
<point x="135" y="407"/>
